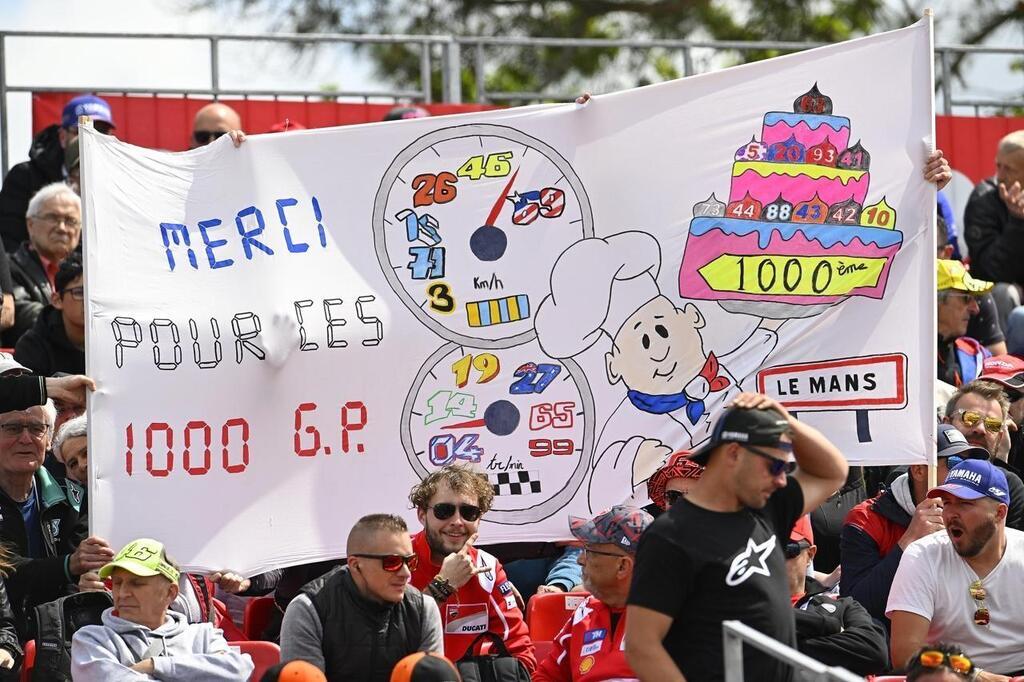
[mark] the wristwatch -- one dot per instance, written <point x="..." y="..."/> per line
<point x="440" y="589"/>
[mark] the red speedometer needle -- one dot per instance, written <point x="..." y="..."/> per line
<point x="496" y="211"/>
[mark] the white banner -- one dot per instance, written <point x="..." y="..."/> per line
<point x="288" y="335"/>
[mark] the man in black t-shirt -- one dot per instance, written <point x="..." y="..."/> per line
<point x="716" y="555"/>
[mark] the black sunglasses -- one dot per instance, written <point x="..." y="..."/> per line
<point x="445" y="510"/>
<point x="792" y="549"/>
<point x="207" y="136"/>
<point x="392" y="563"/>
<point x="673" y="496"/>
<point x="776" y="466"/>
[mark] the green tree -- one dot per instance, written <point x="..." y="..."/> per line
<point x="563" y="70"/>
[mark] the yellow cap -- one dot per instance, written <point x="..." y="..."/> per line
<point x="143" y="557"/>
<point x="953" y="275"/>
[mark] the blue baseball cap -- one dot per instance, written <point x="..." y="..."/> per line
<point x="86" y="105"/>
<point x="973" y="479"/>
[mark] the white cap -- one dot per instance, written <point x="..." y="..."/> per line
<point x="8" y="365"/>
<point x="596" y="285"/>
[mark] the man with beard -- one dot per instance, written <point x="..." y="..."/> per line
<point x="980" y="411"/>
<point x="468" y="584"/>
<point x="1008" y="372"/>
<point x="590" y="645"/>
<point x="963" y="585"/>
<point x="877" y="531"/>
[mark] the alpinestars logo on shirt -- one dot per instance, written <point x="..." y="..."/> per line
<point x="752" y="560"/>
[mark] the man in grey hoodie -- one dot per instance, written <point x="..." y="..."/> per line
<point x="140" y="639"/>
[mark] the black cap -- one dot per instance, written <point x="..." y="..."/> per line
<point x="743" y="425"/>
<point x="951" y="442"/>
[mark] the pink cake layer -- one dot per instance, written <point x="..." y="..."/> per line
<point x="703" y="248"/>
<point x="796" y="189"/>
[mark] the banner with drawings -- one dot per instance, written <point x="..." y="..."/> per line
<point x="288" y="335"/>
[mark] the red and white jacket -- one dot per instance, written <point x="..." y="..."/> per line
<point x="588" y="649"/>
<point x="486" y="602"/>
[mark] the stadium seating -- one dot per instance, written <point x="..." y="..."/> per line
<point x="30" y="660"/>
<point x="257" y="616"/>
<point x="264" y="655"/>
<point x="547" y="613"/>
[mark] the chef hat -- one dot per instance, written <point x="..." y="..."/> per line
<point x="596" y="284"/>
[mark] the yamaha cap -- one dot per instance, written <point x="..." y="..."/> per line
<point x="86" y="105"/>
<point x="973" y="479"/>
<point x="743" y="425"/>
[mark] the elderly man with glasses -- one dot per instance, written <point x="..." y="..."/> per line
<point x="590" y="645"/>
<point x="980" y="410"/>
<point x="963" y="585"/>
<point x="56" y="342"/>
<point x="468" y="583"/>
<point x="359" y="620"/>
<point x="54" y="229"/>
<point x="39" y="522"/>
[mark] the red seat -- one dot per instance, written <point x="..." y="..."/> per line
<point x="29" y="661"/>
<point x="547" y="613"/>
<point x="257" y="617"/>
<point x="264" y="655"/>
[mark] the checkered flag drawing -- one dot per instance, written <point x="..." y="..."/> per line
<point x="515" y="482"/>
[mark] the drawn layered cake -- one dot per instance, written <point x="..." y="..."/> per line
<point x="796" y="234"/>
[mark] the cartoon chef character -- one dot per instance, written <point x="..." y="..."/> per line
<point x="608" y="287"/>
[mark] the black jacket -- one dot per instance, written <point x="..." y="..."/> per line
<point x="31" y="292"/>
<point x="363" y="639"/>
<point x="36" y="580"/>
<point x="45" y="165"/>
<point x="994" y="237"/>
<point x="45" y="348"/>
<point x="839" y="632"/>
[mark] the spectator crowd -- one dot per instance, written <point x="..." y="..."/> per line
<point x="876" y="570"/>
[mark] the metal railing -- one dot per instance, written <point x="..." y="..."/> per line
<point x="451" y="51"/>
<point x="735" y="634"/>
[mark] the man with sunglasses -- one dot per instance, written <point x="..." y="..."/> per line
<point x="964" y="585"/>
<point x="980" y="410"/>
<point x="877" y="531"/>
<point x="359" y="620"/>
<point x="959" y="356"/>
<point x="590" y="644"/>
<point x="834" y="631"/>
<point x="56" y="342"/>
<point x="40" y="524"/>
<point x="212" y="122"/>
<point x="468" y="583"/>
<point x="716" y="554"/>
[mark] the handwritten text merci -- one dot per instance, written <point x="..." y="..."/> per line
<point x="250" y="225"/>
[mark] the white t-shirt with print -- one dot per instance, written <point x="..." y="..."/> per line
<point x="933" y="581"/>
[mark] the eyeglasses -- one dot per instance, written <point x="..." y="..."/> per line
<point x="445" y="510"/>
<point x="207" y="136"/>
<point x="55" y="220"/>
<point x="792" y="549"/>
<point x="776" y="466"/>
<point x="77" y="293"/>
<point x="14" y="429"/>
<point x="392" y="563"/>
<point x="958" y="662"/>
<point x="588" y="550"/>
<point x="977" y="592"/>
<point x="673" y="496"/>
<point x="970" y="418"/>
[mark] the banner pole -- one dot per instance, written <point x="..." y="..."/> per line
<point x="85" y="122"/>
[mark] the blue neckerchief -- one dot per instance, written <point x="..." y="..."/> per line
<point x="663" y="404"/>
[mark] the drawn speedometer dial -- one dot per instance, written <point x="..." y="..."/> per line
<point x="514" y="414"/>
<point x="467" y="223"/>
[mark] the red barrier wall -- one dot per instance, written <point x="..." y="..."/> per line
<point x="166" y="122"/>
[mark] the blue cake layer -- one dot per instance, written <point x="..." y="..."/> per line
<point x="826" y="235"/>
